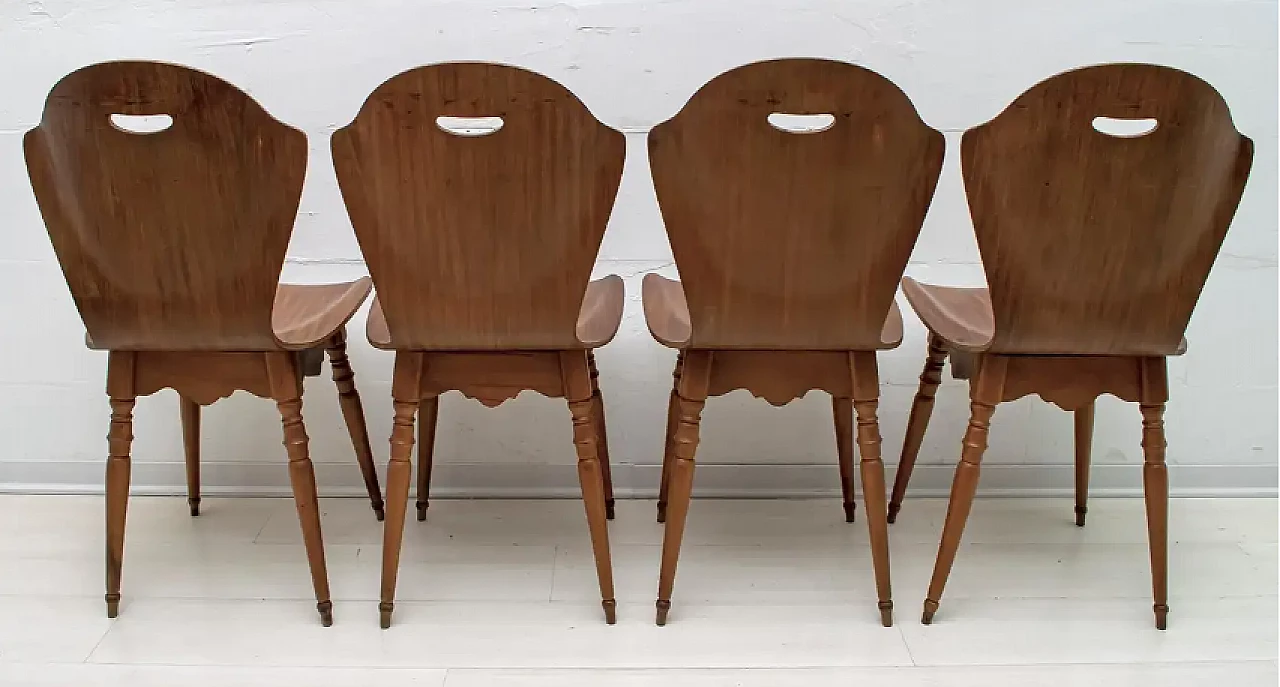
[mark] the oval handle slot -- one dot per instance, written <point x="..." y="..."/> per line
<point x="469" y="126"/>
<point x="141" y="124"/>
<point x="801" y="123"/>
<point x="1124" y="128"/>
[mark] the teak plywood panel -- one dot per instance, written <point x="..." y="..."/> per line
<point x="1101" y="244"/>
<point x="173" y="239"/>
<point x="497" y="232"/>
<point x="793" y="240"/>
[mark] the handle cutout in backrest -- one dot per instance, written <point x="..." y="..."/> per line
<point x="1124" y="128"/>
<point x="469" y="126"/>
<point x="141" y="124"/>
<point x="801" y="123"/>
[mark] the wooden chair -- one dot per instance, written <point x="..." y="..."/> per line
<point x="790" y="247"/>
<point x="172" y="243"/>
<point x="480" y="239"/>
<point x="1095" y="248"/>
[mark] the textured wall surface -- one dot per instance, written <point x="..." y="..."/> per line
<point x="634" y="63"/>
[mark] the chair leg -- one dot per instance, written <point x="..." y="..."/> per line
<point x="668" y="444"/>
<point x="1155" y="481"/>
<point x="602" y="435"/>
<point x="286" y="389"/>
<point x="120" y="393"/>
<point x="692" y="396"/>
<point x="918" y="421"/>
<point x="575" y="370"/>
<point x="406" y="395"/>
<point x="353" y="413"/>
<point x="1084" y="446"/>
<point x="191" y="447"/>
<point x="985" y="393"/>
<point x="842" y="409"/>
<point x="428" y="412"/>
<point x="866" y="399"/>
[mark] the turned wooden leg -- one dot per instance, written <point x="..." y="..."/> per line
<point x="191" y="446"/>
<point x="286" y="389"/>
<point x="428" y="412"/>
<point x="689" y="402"/>
<point x="353" y="413"/>
<point x="842" y="409"/>
<point x="984" y="393"/>
<point x="575" y="371"/>
<point x="120" y="393"/>
<point x="1155" y="481"/>
<point x="405" y="394"/>
<point x="669" y="439"/>
<point x="1084" y="446"/>
<point x="866" y="395"/>
<point x="918" y="421"/>
<point x="602" y="436"/>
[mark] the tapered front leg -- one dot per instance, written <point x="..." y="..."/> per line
<point x="842" y="410"/>
<point x="1084" y="445"/>
<point x="406" y="394"/>
<point x="191" y="448"/>
<point x="576" y="376"/>
<point x="691" y="398"/>
<point x="428" y="413"/>
<point x="602" y="435"/>
<point x="918" y="421"/>
<point x="669" y="439"/>
<point x="985" y="392"/>
<point x="120" y="391"/>
<point x="286" y="389"/>
<point x="1155" y="480"/>
<point x="353" y="412"/>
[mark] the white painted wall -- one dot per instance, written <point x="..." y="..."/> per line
<point x="634" y="62"/>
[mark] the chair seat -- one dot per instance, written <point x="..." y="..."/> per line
<point x="598" y="318"/>
<point x="666" y="311"/>
<point x="962" y="316"/>
<point x="305" y="315"/>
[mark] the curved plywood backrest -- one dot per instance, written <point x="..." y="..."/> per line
<point x="479" y="232"/>
<point x="1097" y="234"/>
<point x="172" y="238"/>
<point x="793" y="192"/>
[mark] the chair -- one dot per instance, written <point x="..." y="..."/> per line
<point x="1096" y="246"/>
<point x="481" y="236"/>
<point x="172" y="243"/>
<point x="790" y="240"/>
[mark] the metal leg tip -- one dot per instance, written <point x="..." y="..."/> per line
<point x="113" y="605"/>
<point x="1080" y="513"/>
<point x="1162" y="616"/>
<point x="664" y="606"/>
<point x="195" y="506"/>
<point x="930" y="607"/>
<point x="422" y="512"/>
<point x="893" y="512"/>
<point x="662" y="512"/>
<point x="610" y="611"/>
<point x="849" y="510"/>
<point x="326" y="612"/>
<point x="379" y="512"/>
<point x="608" y="509"/>
<point x="384" y="614"/>
<point x="886" y="613"/>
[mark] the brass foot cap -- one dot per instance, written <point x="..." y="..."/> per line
<point x="608" y="509"/>
<point x="113" y="605"/>
<point x="384" y="614"/>
<point x="1162" y="616"/>
<point x="326" y="612"/>
<point x="849" y="509"/>
<point x="422" y="511"/>
<point x="930" y="607"/>
<point x="893" y="512"/>
<point x="886" y="613"/>
<point x="610" y="611"/>
<point x="378" y="512"/>
<point x="1080" y="513"/>
<point x="195" y="506"/>
<point x="662" y="512"/>
<point x="664" y="606"/>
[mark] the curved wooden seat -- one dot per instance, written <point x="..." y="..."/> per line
<point x="666" y="313"/>
<point x="306" y="315"/>
<point x="598" y="318"/>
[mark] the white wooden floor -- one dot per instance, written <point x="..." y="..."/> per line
<point x="770" y="593"/>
